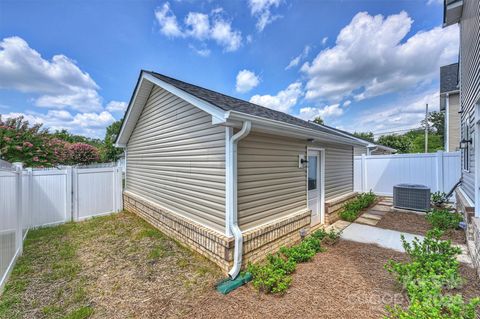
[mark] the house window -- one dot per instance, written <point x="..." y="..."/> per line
<point x="466" y="148"/>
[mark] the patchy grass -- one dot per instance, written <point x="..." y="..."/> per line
<point x="113" y="266"/>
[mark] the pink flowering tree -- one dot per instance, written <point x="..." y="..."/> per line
<point x="36" y="147"/>
<point x="82" y="153"/>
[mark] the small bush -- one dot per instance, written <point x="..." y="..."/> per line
<point x="304" y="251"/>
<point x="438" y="198"/>
<point x="432" y="268"/>
<point x="273" y="276"/>
<point x="444" y="219"/>
<point x="269" y="279"/>
<point x="351" y="209"/>
<point x="329" y="238"/>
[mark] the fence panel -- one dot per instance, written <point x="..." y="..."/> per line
<point x="10" y="225"/>
<point x="97" y="191"/>
<point x="379" y="173"/>
<point x="47" y="197"/>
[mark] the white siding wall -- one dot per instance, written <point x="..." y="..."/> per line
<point x="470" y="79"/>
<point x="176" y="158"/>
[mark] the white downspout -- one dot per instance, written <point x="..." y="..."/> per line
<point x="231" y="194"/>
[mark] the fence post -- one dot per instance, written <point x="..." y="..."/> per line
<point x="364" y="173"/>
<point x="440" y="171"/>
<point x="74" y="194"/>
<point x="29" y="196"/>
<point x="69" y="191"/>
<point x="19" y="227"/>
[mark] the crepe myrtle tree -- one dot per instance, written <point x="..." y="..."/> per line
<point x="36" y="147"/>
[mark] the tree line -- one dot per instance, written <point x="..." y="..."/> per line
<point x="36" y="146"/>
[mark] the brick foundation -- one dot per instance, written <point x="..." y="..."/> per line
<point x="473" y="228"/>
<point x="257" y="242"/>
<point x="333" y="207"/>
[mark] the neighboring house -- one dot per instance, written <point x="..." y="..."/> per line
<point x="467" y="14"/>
<point x="373" y="149"/>
<point x="230" y="179"/>
<point x="450" y="105"/>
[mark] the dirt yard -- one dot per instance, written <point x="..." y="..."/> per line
<point x="416" y="224"/>
<point x="120" y="267"/>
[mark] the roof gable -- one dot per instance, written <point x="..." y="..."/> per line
<point x="219" y="105"/>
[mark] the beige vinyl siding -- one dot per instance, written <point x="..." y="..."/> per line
<point x="270" y="184"/>
<point x="338" y="170"/>
<point x="470" y="80"/>
<point x="176" y="158"/>
<point x="453" y="122"/>
<point x="359" y="150"/>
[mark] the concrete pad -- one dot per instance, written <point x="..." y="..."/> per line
<point x="372" y="235"/>
<point x="381" y="208"/>
<point x="372" y="216"/>
<point x="376" y="213"/>
<point x="339" y="225"/>
<point x="389" y="239"/>
<point x="366" y="221"/>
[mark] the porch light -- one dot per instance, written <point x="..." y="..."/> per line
<point x="464" y="143"/>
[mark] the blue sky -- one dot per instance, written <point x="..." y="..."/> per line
<point x="361" y="65"/>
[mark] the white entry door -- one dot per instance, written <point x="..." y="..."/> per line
<point x="314" y="185"/>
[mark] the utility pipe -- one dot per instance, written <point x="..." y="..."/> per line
<point x="231" y="202"/>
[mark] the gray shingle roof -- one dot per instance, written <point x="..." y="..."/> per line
<point x="449" y="78"/>
<point x="229" y="103"/>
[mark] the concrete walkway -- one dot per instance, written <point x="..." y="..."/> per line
<point x="374" y="214"/>
<point x="387" y="238"/>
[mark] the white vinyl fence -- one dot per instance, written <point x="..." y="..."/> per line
<point x="31" y="198"/>
<point x="440" y="171"/>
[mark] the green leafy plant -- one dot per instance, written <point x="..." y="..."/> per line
<point x="273" y="276"/>
<point x="444" y="219"/>
<point x="438" y="199"/>
<point x="328" y="238"/>
<point x="352" y="209"/>
<point x="432" y="268"/>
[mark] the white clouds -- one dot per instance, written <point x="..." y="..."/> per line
<point x="324" y="40"/>
<point x="224" y="35"/>
<point x="167" y="21"/>
<point x="88" y="124"/>
<point x="246" y="80"/>
<point x="58" y="84"/>
<point x="371" y="58"/>
<point x="116" y="106"/>
<point x="60" y="81"/>
<point x="406" y="113"/>
<point x="261" y="9"/>
<point x="295" y="61"/>
<point x="283" y="101"/>
<point x="310" y="113"/>
<point x="203" y="51"/>
<point x="200" y="26"/>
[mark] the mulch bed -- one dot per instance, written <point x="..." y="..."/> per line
<point x="416" y="224"/>
<point x="346" y="281"/>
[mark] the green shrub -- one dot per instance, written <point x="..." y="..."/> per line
<point x="278" y="261"/>
<point x="438" y="198"/>
<point x="432" y="268"/>
<point x="351" y="209"/>
<point x="273" y="276"/>
<point x="444" y="219"/>
<point x="431" y="260"/>
<point x="269" y="279"/>
<point x="329" y="238"/>
<point x="304" y="251"/>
